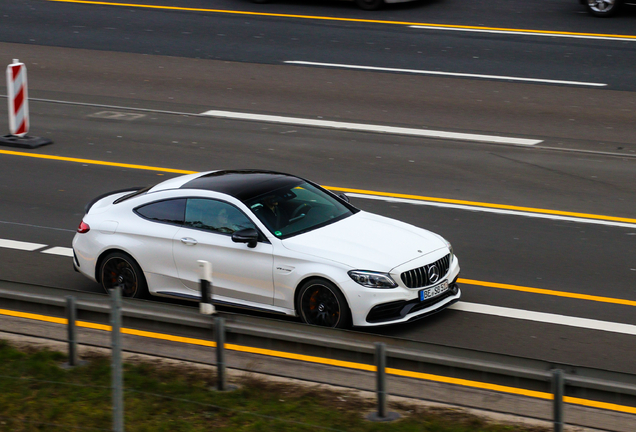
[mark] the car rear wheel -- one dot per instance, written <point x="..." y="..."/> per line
<point x="603" y="8"/>
<point x="121" y="269"/>
<point x="321" y="303"/>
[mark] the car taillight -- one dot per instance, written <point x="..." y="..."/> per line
<point x="83" y="228"/>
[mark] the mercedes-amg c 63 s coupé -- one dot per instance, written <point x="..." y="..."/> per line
<point x="277" y="243"/>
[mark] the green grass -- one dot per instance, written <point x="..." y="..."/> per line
<point x="38" y="394"/>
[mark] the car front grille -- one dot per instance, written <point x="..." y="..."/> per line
<point x="420" y="277"/>
<point x="399" y="309"/>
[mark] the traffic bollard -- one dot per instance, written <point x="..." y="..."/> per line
<point x="205" y="306"/>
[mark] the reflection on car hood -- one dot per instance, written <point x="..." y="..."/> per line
<point x="367" y="241"/>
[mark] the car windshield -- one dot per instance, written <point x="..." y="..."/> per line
<point x="290" y="211"/>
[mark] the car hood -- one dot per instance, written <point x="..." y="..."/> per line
<point x="367" y="241"/>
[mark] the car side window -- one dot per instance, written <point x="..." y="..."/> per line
<point x="168" y="211"/>
<point x="215" y="216"/>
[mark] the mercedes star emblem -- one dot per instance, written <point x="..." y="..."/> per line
<point x="433" y="273"/>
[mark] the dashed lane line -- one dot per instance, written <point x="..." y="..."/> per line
<point x="547" y="318"/>
<point x="362" y="127"/>
<point x="68" y="252"/>
<point x="20" y="245"/>
<point x="58" y="250"/>
<point x="451" y="74"/>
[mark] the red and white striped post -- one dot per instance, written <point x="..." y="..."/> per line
<point x="18" y="97"/>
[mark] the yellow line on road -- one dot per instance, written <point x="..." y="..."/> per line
<point x="548" y="292"/>
<point x="339" y="189"/>
<point x="94" y="162"/>
<point x="482" y="204"/>
<point x="331" y="362"/>
<point x="325" y="18"/>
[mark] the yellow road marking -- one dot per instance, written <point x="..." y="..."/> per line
<point x="325" y="18"/>
<point x="36" y="317"/>
<point x="339" y="189"/>
<point x="332" y="362"/>
<point x="470" y="383"/>
<point x="548" y="292"/>
<point x="301" y="357"/>
<point x="482" y="204"/>
<point x="94" y="162"/>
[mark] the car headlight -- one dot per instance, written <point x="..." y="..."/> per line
<point x="450" y="248"/>
<point x="371" y="279"/>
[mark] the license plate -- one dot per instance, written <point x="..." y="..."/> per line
<point x="431" y="292"/>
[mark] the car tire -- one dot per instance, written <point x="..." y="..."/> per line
<point x="118" y="268"/>
<point x="603" y="8"/>
<point x="369" y="4"/>
<point x="321" y="303"/>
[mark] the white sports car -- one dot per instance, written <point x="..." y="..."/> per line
<point x="277" y="243"/>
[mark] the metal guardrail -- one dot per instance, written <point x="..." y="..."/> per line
<point x="349" y="346"/>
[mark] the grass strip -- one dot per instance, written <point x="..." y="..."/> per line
<point x="39" y="394"/>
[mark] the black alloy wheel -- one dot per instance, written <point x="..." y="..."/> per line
<point x="121" y="269"/>
<point x="603" y="8"/>
<point x="321" y="303"/>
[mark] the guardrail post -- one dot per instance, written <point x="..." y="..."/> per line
<point x="380" y="362"/>
<point x="116" y="366"/>
<point x="205" y="306"/>
<point x="219" y="328"/>
<point x="71" y="316"/>
<point x="558" y="385"/>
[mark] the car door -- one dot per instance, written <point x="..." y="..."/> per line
<point x="151" y="239"/>
<point x="239" y="272"/>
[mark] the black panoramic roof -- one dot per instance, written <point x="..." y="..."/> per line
<point x="243" y="184"/>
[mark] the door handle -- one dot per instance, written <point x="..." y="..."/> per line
<point x="189" y="241"/>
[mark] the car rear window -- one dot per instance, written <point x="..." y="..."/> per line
<point x="168" y="211"/>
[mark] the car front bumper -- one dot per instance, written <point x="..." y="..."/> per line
<point x="377" y="307"/>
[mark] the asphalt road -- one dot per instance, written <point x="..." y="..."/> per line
<point x="166" y="67"/>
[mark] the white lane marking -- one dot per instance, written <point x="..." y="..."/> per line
<point x="26" y="246"/>
<point x="453" y="74"/>
<point x="58" y="250"/>
<point x="526" y="33"/>
<point x="494" y="210"/>
<point x="460" y="306"/>
<point x="570" y="321"/>
<point x="373" y="128"/>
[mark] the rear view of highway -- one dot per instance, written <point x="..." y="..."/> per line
<point x="508" y="131"/>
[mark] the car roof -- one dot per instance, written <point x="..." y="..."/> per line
<point x="242" y="184"/>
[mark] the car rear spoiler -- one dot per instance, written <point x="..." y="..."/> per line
<point x="94" y="200"/>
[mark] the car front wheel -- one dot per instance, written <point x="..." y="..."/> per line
<point x="321" y="303"/>
<point x="603" y="8"/>
<point x="121" y="269"/>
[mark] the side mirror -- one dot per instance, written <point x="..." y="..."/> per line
<point x="343" y="197"/>
<point x="247" y="235"/>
